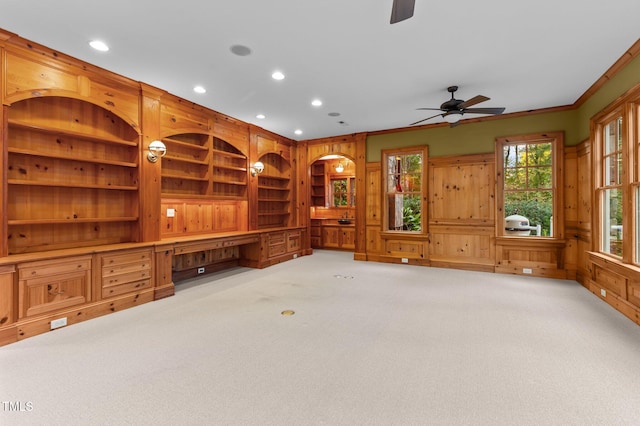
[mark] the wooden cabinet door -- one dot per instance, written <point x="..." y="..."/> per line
<point x="53" y="285"/>
<point x="331" y="236"/>
<point x="348" y="238"/>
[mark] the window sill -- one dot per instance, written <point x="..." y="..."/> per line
<point x="530" y="241"/>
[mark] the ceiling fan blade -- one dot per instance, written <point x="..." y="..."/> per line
<point x="473" y="101"/>
<point x="483" y="110"/>
<point x="428" y="118"/>
<point x="401" y="10"/>
<point x="430" y="109"/>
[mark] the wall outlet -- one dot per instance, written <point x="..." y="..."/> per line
<point x="57" y="323"/>
<point x="295" y="255"/>
<point x="527" y="271"/>
<point x="201" y="270"/>
<point x="603" y="292"/>
<point x="405" y="260"/>
<point x="171" y="212"/>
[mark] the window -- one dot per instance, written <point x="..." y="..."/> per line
<point x="404" y="174"/>
<point x="616" y="162"/>
<point x="610" y="188"/>
<point x="343" y="191"/>
<point x="528" y="181"/>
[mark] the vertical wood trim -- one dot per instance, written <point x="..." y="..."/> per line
<point x="252" y="185"/>
<point x="149" y="191"/>
<point x="4" y="245"/>
<point x="361" y="192"/>
<point x="303" y="190"/>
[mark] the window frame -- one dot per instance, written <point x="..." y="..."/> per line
<point x="350" y="192"/>
<point x="557" y="182"/>
<point x="628" y="108"/>
<point x="385" y="154"/>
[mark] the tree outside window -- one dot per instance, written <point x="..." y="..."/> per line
<point x="527" y="167"/>
<point x="403" y="174"/>
<point x="343" y="191"/>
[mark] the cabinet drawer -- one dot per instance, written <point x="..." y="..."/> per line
<point x="111" y="270"/>
<point x="129" y="257"/>
<point x="277" y="249"/>
<point x="47" y="268"/>
<point x="109" y="290"/>
<point x="276" y="238"/>
<point x="126" y="278"/>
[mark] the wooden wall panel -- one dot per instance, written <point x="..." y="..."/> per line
<point x="29" y="75"/>
<point x="462" y="212"/>
<point x="462" y="247"/>
<point x="178" y="116"/>
<point x="462" y="189"/>
<point x="373" y="209"/>
<point x="203" y="216"/>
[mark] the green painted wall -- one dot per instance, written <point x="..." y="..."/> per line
<point x="477" y="138"/>
<point x="627" y="78"/>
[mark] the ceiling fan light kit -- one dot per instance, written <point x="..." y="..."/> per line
<point x="454" y="117"/>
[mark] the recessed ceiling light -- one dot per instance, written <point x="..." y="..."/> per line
<point x="199" y="89"/>
<point x="277" y="75"/>
<point x="298" y="132"/>
<point x="240" y="50"/>
<point x="261" y="116"/>
<point x="99" y="45"/>
<point x="316" y="102"/>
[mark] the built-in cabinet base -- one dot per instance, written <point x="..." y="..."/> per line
<point x="44" y="291"/>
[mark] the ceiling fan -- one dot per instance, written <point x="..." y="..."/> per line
<point x="453" y="109"/>
<point x="401" y="10"/>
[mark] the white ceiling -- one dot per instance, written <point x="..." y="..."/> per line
<point x="523" y="55"/>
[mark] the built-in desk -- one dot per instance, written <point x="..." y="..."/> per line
<point x="46" y="290"/>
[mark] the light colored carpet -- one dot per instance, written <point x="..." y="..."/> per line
<point x="369" y="344"/>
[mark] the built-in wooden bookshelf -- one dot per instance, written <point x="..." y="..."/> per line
<point x="72" y="175"/>
<point x="229" y="171"/>
<point x="199" y="165"/>
<point x="274" y="192"/>
<point x="318" y="184"/>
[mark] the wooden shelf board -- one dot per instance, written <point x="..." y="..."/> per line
<point x="186" y="160"/>
<point x="72" y="185"/>
<point x="71" y="221"/>
<point x="22" y="151"/>
<point x="263" y="176"/>
<point x="238" y="169"/>
<point x="276" y="188"/>
<point x="230" y="182"/>
<point x="198" y="179"/>
<point x="186" y="144"/>
<point x="54" y="130"/>
<point x="228" y="154"/>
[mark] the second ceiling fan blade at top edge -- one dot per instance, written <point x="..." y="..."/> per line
<point x="484" y="110"/>
<point x="473" y="101"/>
<point x="401" y="10"/>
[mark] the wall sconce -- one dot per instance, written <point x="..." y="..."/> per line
<point x="156" y="150"/>
<point x="257" y="168"/>
<point x="339" y="168"/>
